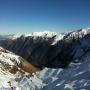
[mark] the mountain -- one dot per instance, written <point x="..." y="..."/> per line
<point x="31" y="47"/>
<point x="12" y="67"/>
<point x="56" y="47"/>
<point x="48" y="60"/>
<point x="75" y="77"/>
<point x="11" y="36"/>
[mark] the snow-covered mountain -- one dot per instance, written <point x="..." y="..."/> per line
<point x="75" y="77"/>
<point x="11" y="36"/>
<point x="8" y="67"/>
<point x="13" y="69"/>
<point x="56" y="47"/>
<point x="63" y="58"/>
<point x="31" y="44"/>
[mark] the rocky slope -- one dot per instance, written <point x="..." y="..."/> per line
<point x="11" y="68"/>
<point x="75" y="77"/>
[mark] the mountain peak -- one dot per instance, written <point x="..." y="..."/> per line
<point x="41" y="34"/>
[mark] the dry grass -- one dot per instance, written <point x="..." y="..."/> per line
<point x="27" y="67"/>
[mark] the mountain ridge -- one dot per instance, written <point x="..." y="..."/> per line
<point x="53" y="46"/>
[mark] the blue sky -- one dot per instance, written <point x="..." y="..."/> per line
<point x="25" y="16"/>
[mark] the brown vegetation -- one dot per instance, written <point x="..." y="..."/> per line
<point x="27" y="67"/>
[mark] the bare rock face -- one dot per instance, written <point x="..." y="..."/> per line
<point x="50" y="51"/>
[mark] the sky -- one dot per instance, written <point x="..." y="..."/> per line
<point x="25" y="16"/>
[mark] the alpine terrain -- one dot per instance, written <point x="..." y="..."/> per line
<point x="45" y="61"/>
